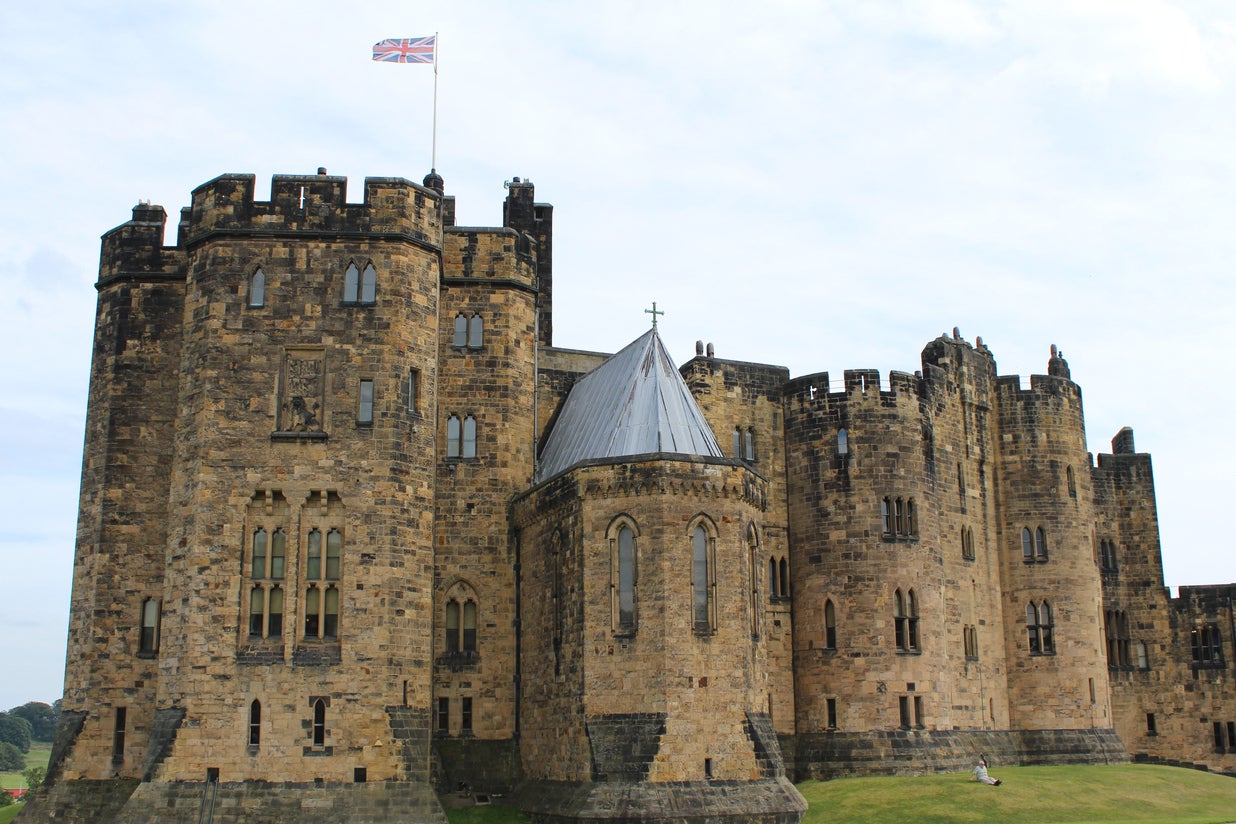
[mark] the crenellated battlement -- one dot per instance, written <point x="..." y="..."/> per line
<point x="313" y="204"/>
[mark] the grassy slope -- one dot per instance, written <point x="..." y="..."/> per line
<point x="1030" y="795"/>
<point x="40" y="754"/>
<point x="7" y="814"/>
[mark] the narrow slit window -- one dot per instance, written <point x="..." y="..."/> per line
<point x="469" y="437"/>
<point x="319" y="723"/>
<point x="257" y="289"/>
<point x="255" y="723"/>
<point x="365" y="413"/>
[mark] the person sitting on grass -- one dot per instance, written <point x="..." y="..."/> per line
<point x="979" y="773"/>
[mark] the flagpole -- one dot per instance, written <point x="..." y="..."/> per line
<point x="433" y="163"/>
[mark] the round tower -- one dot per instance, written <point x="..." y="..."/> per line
<point x="1052" y="589"/>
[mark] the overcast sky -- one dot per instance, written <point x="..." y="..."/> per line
<point x="820" y="185"/>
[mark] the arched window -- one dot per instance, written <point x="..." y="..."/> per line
<point x="313" y="555"/>
<point x="257" y="289"/>
<point x="259" y="553"/>
<point x="469" y="437"/>
<point x="783" y="578"/>
<point x="703" y="579"/>
<point x="773" y="587"/>
<point x="351" y="284"/>
<point x="149" y="641"/>
<point x="753" y="553"/>
<point x="476" y="332"/>
<point x="737" y="443"/>
<point x="1027" y="545"/>
<point x="830" y="625"/>
<point x="461" y="331"/>
<point x="369" y="285"/>
<point x="843" y="442"/>
<point x="452" y="437"/>
<point x="319" y="723"/>
<point x="626" y="577"/>
<point x="1040" y="545"/>
<point x="334" y="554"/>
<point x="1072" y="484"/>
<point x="748" y="449"/>
<point x="278" y="553"/>
<point x="255" y="723"/>
<point x="1039" y="627"/>
<point x="967" y="543"/>
<point x="1143" y="661"/>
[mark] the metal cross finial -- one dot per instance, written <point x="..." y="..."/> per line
<point x="654" y="312"/>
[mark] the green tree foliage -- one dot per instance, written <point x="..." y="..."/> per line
<point x="5" y="799"/>
<point x="11" y="759"/>
<point x="15" y="730"/>
<point x="34" y="776"/>
<point x="43" y="718"/>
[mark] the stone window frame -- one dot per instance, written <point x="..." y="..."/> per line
<point x="1108" y="556"/>
<point x="702" y="537"/>
<point x="318" y="731"/>
<point x="412" y="388"/>
<point x="1034" y="545"/>
<point x="898" y="518"/>
<point x="442" y="717"/>
<point x="465" y="716"/>
<point x="967" y="544"/>
<point x="366" y="398"/>
<point x="119" y="733"/>
<point x="150" y="623"/>
<point x="970" y="642"/>
<point x="323" y="573"/>
<point x="621" y="624"/>
<point x="830" y="624"/>
<point x="253" y="738"/>
<point x="906" y="622"/>
<point x="360" y="284"/>
<point x="778" y="579"/>
<point x="468" y="332"/>
<point x="461" y="437"/>
<point x="1040" y="628"/>
<point x="1070" y="481"/>
<point x="459" y="648"/>
<point x="267" y="556"/>
<point x="753" y="555"/>
<point x="557" y="558"/>
<point x="1119" y="645"/>
<point x="1206" y="644"/>
<point x="256" y="298"/>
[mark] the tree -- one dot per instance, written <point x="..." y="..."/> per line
<point x="43" y="719"/>
<point x="34" y="776"/>
<point x="11" y="759"/>
<point x="5" y="799"/>
<point x="15" y="730"/>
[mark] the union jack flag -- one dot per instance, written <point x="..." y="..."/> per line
<point x="406" y="50"/>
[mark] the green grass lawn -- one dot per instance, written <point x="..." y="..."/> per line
<point x="40" y="754"/>
<point x="7" y="814"/>
<point x="1029" y="795"/>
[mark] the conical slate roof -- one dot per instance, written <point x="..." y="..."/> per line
<point x="632" y="404"/>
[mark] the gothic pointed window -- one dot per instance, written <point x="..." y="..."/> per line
<point x="334" y="553"/>
<point x="369" y="285"/>
<point x="452" y="626"/>
<point x="1040" y="629"/>
<point x="748" y="448"/>
<point x="1027" y="545"/>
<point x="469" y="437"/>
<point x="452" y="437"/>
<point x="259" y="553"/>
<point x="843" y="442"/>
<point x="624" y="576"/>
<point x="703" y="578"/>
<point x="257" y="289"/>
<point x="351" y="284"/>
<point x="737" y="443"/>
<point x="1040" y="545"/>
<point x="905" y="621"/>
<point x="278" y="553"/>
<point x="753" y="553"/>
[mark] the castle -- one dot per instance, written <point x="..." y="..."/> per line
<point x="353" y="530"/>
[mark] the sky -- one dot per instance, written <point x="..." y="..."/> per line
<point x="818" y="185"/>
